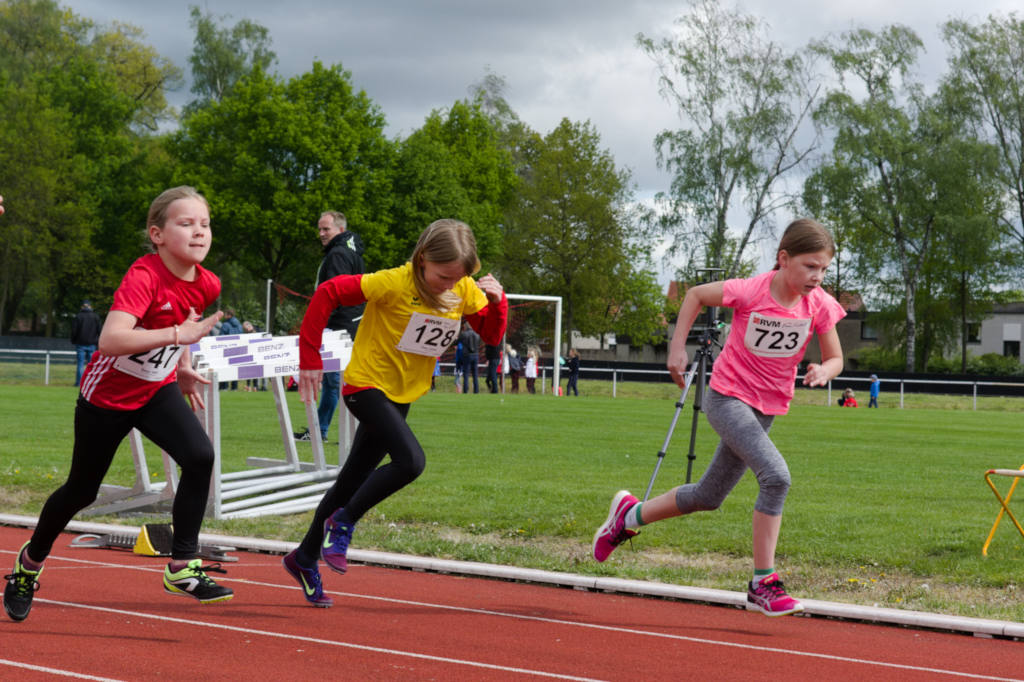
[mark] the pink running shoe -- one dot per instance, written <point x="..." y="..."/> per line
<point x="770" y="598"/>
<point x="613" y="531"/>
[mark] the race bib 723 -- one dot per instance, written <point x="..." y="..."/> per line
<point x="775" y="337"/>
<point x="428" y="334"/>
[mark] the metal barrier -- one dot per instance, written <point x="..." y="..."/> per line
<point x="18" y="353"/>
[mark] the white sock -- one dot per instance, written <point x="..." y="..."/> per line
<point x="633" y="516"/>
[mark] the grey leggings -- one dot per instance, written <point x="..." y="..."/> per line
<point x="745" y="443"/>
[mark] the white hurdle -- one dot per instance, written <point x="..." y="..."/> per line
<point x="274" y="486"/>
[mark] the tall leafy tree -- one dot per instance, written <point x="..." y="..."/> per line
<point x="987" y="70"/>
<point x="75" y="96"/>
<point x="570" y="232"/>
<point x="901" y="168"/>
<point x="453" y="166"/>
<point x="272" y="155"/>
<point x="221" y="56"/>
<point x="745" y="99"/>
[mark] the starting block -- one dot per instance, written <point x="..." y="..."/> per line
<point x="1004" y="502"/>
<point x="153" y="539"/>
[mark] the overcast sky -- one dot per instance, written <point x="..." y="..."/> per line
<point x="561" y="58"/>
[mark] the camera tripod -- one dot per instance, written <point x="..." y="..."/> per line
<point x="698" y="372"/>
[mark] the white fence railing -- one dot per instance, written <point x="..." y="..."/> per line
<point x="19" y="355"/>
<point x="617" y="373"/>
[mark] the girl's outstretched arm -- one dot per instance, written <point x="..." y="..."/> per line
<point x="120" y="337"/>
<point x="696" y="298"/>
<point x="831" y="360"/>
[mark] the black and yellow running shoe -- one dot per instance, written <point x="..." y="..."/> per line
<point x="192" y="581"/>
<point x="21" y="587"/>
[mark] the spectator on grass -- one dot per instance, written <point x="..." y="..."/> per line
<point x="492" y="352"/>
<point x="85" y="334"/>
<point x="141" y="377"/>
<point x="530" y="371"/>
<point x="343" y="255"/>
<point x="515" y="367"/>
<point x="873" y="391"/>
<point x="573" y="365"/>
<point x="229" y="326"/>
<point x="470" y="342"/>
<point x="392" y="361"/>
<point x="753" y="382"/>
<point x="849" y="399"/>
<point x="251" y="384"/>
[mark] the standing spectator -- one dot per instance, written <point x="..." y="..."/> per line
<point x="515" y="367"/>
<point x="251" y="384"/>
<point x="531" y="369"/>
<point x="229" y="326"/>
<point x="574" y="372"/>
<point x="85" y="334"/>
<point x="470" y="341"/>
<point x="493" y="355"/>
<point x="343" y="255"/>
<point x="873" y="391"/>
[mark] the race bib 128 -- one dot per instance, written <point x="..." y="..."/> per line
<point x="428" y="334"/>
<point x="775" y="337"/>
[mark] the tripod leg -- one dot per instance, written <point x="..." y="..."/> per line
<point x="672" y="427"/>
<point x="698" y="400"/>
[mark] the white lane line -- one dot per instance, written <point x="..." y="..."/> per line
<point x="55" y="671"/>
<point x="326" y="642"/>
<point x="569" y="623"/>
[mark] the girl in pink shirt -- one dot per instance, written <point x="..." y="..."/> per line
<point x="774" y="315"/>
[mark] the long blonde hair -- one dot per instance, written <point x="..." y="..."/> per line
<point x="444" y="241"/>
<point x="158" y="209"/>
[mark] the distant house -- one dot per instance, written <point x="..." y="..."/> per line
<point x="1000" y="333"/>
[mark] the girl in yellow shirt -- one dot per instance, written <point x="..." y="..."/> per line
<point x="413" y="313"/>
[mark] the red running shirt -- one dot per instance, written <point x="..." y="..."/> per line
<point x="157" y="299"/>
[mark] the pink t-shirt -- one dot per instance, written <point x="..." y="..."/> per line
<point x="759" y="361"/>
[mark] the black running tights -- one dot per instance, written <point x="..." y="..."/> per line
<point x="361" y="483"/>
<point x="166" y="420"/>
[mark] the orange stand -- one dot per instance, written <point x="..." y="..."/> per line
<point x="1004" y="502"/>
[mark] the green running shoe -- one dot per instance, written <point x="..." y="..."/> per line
<point x="21" y="587"/>
<point x="192" y="581"/>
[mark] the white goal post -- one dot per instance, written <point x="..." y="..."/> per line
<point x="557" y="341"/>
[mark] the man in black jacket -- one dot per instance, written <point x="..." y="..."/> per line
<point x="343" y="255"/>
<point x="85" y="334"/>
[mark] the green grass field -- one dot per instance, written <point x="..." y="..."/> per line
<point x="888" y="506"/>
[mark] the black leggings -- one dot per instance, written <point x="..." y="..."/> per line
<point x="361" y="484"/>
<point x="166" y="420"/>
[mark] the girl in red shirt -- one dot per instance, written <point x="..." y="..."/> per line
<point x="139" y="378"/>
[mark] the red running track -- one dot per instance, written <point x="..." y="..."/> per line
<point x="103" y="614"/>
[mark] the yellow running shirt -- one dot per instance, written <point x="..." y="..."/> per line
<point x="399" y="339"/>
